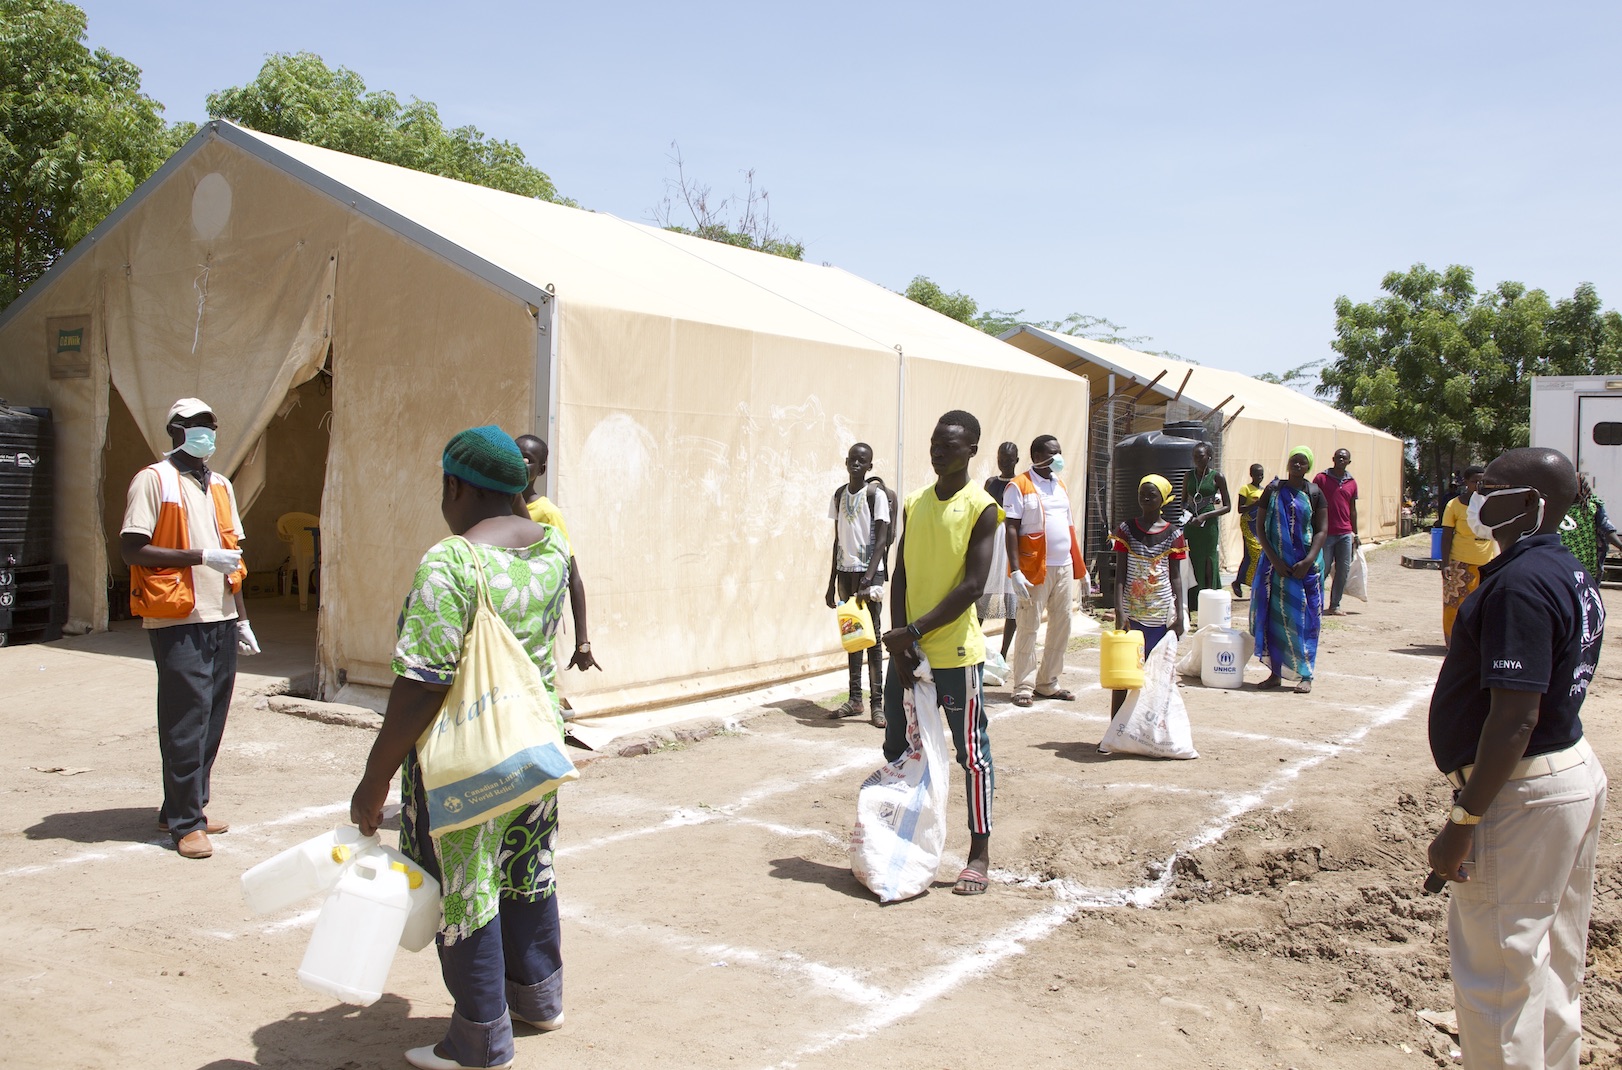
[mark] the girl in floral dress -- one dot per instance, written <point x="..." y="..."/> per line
<point x="499" y="945"/>
<point x="1148" y="587"/>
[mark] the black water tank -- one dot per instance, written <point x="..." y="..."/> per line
<point x="1152" y="452"/>
<point x="1191" y="429"/>
<point x="26" y="485"/>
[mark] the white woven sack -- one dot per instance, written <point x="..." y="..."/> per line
<point x="1153" y="722"/>
<point x="900" y="830"/>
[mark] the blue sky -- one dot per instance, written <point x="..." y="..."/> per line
<point x="1211" y="175"/>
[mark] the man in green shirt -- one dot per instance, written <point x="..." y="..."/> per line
<point x="946" y="548"/>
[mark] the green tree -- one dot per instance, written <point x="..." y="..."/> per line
<point x="959" y="306"/>
<point x="998" y="322"/>
<point x="1439" y="364"/>
<point x="77" y="136"/>
<point x="297" y="96"/>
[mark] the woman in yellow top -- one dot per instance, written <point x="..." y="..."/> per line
<point x="1250" y="495"/>
<point x="1462" y="553"/>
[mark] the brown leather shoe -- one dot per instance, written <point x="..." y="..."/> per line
<point x="194" y="845"/>
<point x="213" y="828"/>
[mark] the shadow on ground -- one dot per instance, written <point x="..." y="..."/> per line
<point x="1086" y="753"/>
<point x="813" y="715"/>
<point x="340" y="1038"/>
<point x="834" y="878"/>
<point x="1423" y="650"/>
<point x="125" y="824"/>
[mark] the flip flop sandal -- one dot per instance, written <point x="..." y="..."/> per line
<point x="1272" y="683"/>
<point x="1023" y="700"/>
<point x="877" y="720"/>
<point x="971" y="882"/>
<point x="1062" y="695"/>
<point x="849" y="709"/>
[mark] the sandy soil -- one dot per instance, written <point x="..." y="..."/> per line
<point x="1257" y="907"/>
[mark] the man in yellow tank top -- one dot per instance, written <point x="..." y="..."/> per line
<point x="945" y="555"/>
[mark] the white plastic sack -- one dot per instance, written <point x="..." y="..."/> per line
<point x="900" y="830"/>
<point x="1357" y="577"/>
<point x="1193" y="659"/>
<point x="996" y="670"/>
<point x="1153" y="721"/>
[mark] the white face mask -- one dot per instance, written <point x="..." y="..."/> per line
<point x="1484" y="531"/>
<point x="1056" y="463"/>
<point x="199" y="443"/>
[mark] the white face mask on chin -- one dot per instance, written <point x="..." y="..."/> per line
<point x="1484" y="531"/>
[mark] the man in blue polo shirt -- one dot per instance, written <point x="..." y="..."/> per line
<point x="1504" y="728"/>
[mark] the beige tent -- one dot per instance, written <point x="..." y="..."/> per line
<point x="345" y="317"/>
<point x="1262" y="421"/>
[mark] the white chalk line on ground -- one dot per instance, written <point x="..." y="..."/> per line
<point x="845" y="984"/>
<point x="1074" y="898"/>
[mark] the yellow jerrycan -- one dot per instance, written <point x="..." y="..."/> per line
<point x="1121" y="665"/>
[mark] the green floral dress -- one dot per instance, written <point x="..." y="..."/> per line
<point x="510" y="855"/>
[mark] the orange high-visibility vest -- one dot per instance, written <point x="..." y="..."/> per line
<point x="167" y="593"/>
<point x="1033" y="537"/>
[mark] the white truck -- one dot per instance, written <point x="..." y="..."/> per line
<point x="1581" y="416"/>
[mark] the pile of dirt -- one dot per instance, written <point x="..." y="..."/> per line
<point x="1350" y="899"/>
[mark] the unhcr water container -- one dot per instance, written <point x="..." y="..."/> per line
<point x="27" y="484"/>
<point x="358" y="932"/>
<point x="1216" y="609"/>
<point x="422" y="921"/>
<point x="303" y="870"/>
<point x="1221" y="662"/>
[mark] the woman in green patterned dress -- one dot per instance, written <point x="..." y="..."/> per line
<point x="498" y="940"/>
<point x="1205" y="496"/>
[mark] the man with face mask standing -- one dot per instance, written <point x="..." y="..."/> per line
<point x="181" y="539"/>
<point x="1039" y="539"/>
<point x="1529" y="792"/>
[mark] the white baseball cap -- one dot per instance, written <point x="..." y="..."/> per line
<point x="186" y="408"/>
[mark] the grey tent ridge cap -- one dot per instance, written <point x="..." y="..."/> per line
<point x="239" y="137"/>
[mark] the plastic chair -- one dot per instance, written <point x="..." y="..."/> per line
<point x="298" y="531"/>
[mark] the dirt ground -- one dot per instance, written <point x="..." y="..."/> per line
<point x="1257" y="907"/>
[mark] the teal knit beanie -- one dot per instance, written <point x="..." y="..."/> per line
<point x="486" y="457"/>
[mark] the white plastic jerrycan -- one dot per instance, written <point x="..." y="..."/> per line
<point x="358" y="932"/>
<point x="1216" y="608"/>
<point x="422" y="922"/>
<point x="1222" y="662"/>
<point x="303" y="870"/>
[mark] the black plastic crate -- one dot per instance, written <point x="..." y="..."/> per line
<point x="33" y="602"/>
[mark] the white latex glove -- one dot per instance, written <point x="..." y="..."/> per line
<point x="1023" y="588"/>
<point x="225" y="561"/>
<point x="245" y="639"/>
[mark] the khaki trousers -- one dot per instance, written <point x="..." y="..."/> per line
<point x="1054" y="597"/>
<point x="1518" y="929"/>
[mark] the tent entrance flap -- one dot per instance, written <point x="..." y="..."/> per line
<point x="261" y="325"/>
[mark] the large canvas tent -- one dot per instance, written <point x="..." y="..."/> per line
<point x="345" y="317"/>
<point x="1262" y="422"/>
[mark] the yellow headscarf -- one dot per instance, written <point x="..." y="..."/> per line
<point x="1306" y="451"/>
<point x="1160" y="483"/>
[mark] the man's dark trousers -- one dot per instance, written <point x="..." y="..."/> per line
<point x="197" y="669"/>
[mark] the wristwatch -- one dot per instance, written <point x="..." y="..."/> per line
<point x="583" y="648"/>
<point x="912" y="630"/>
<point x="1460" y="816"/>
